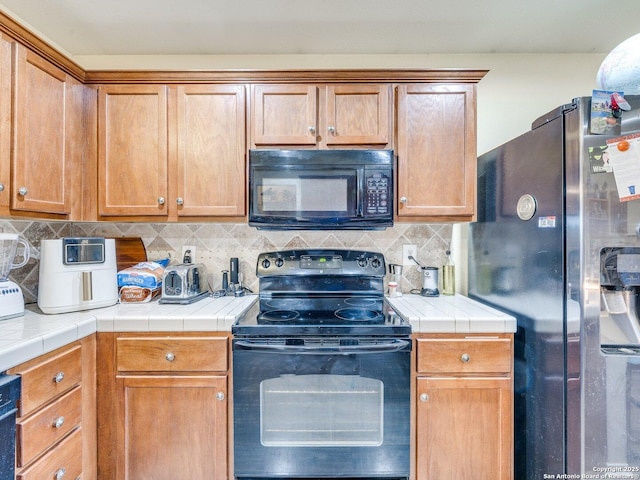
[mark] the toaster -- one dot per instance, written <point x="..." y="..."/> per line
<point x="184" y="283"/>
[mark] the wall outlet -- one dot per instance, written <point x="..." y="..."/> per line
<point x="409" y="251"/>
<point x="192" y="253"/>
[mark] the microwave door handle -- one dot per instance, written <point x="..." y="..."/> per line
<point x="393" y="345"/>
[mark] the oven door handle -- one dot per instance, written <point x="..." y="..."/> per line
<point x="393" y="345"/>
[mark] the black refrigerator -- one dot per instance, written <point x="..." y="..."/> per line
<point x="557" y="244"/>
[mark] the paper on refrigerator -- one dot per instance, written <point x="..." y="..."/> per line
<point x="624" y="156"/>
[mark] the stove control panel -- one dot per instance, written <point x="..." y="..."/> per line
<point x="320" y="262"/>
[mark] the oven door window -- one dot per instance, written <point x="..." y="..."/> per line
<point x="321" y="411"/>
<point x="310" y="193"/>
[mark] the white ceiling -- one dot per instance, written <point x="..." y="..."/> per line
<point x="215" y="27"/>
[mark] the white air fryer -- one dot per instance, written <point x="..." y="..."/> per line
<point x="77" y="273"/>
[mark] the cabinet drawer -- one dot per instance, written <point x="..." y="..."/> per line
<point x="44" y="381"/>
<point x="40" y="431"/>
<point x="162" y="354"/>
<point x="64" y="461"/>
<point x="468" y="355"/>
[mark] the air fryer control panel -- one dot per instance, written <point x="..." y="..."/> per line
<point x="83" y="250"/>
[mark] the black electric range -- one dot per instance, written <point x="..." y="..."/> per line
<point x="321" y="292"/>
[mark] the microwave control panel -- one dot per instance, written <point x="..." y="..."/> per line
<point x="378" y="193"/>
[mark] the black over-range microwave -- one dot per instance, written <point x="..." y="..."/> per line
<point x="321" y="189"/>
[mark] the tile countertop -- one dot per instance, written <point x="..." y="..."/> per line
<point x="34" y="334"/>
<point x="451" y="314"/>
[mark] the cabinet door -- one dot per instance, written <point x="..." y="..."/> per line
<point x="464" y="428"/>
<point x="211" y="150"/>
<point x="284" y="115"/>
<point x="172" y="427"/>
<point x="41" y="114"/>
<point x="436" y="151"/>
<point x="357" y="115"/>
<point x="5" y="123"/>
<point x="132" y="150"/>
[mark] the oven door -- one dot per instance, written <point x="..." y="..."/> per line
<point x="321" y="408"/>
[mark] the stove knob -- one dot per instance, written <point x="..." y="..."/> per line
<point x="362" y="262"/>
<point x="266" y="263"/>
<point x="279" y="262"/>
<point x="375" y="263"/>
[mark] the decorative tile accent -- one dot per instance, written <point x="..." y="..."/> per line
<point x="217" y="242"/>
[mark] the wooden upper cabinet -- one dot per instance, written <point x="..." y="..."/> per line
<point x="284" y="114"/>
<point x="210" y="128"/>
<point x="5" y="123"/>
<point x="315" y="116"/>
<point x="357" y="115"/>
<point x="436" y="148"/>
<point x="132" y="150"/>
<point x="41" y="130"/>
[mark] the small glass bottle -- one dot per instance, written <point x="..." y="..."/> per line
<point x="393" y="289"/>
<point x="449" y="276"/>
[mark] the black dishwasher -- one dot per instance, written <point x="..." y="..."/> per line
<point x="9" y="396"/>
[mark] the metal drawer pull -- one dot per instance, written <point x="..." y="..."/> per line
<point x="220" y="396"/>
<point x="60" y="473"/>
<point x="170" y="357"/>
<point x="465" y="357"/>
<point x="58" y="422"/>
<point x="59" y="377"/>
<point x="424" y="397"/>
<point x="22" y="191"/>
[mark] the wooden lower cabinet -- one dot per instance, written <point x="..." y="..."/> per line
<point x="464" y="407"/>
<point x="173" y="427"/>
<point x="56" y="435"/>
<point x="162" y="406"/>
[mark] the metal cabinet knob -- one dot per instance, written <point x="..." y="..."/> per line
<point x="332" y="130"/>
<point x="160" y="200"/>
<point x="58" y="422"/>
<point x="22" y="191"/>
<point x="180" y="201"/>
<point x="170" y="357"/>
<point x="1" y="187"/>
<point x="424" y="397"/>
<point x="465" y="358"/>
<point x="403" y="200"/>
<point x="312" y="129"/>
<point x="60" y="473"/>
<point x="59" y="377"/>
<point x="220" y="396"/>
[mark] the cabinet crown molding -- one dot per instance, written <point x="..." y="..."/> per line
<point x="287" y="76"/>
